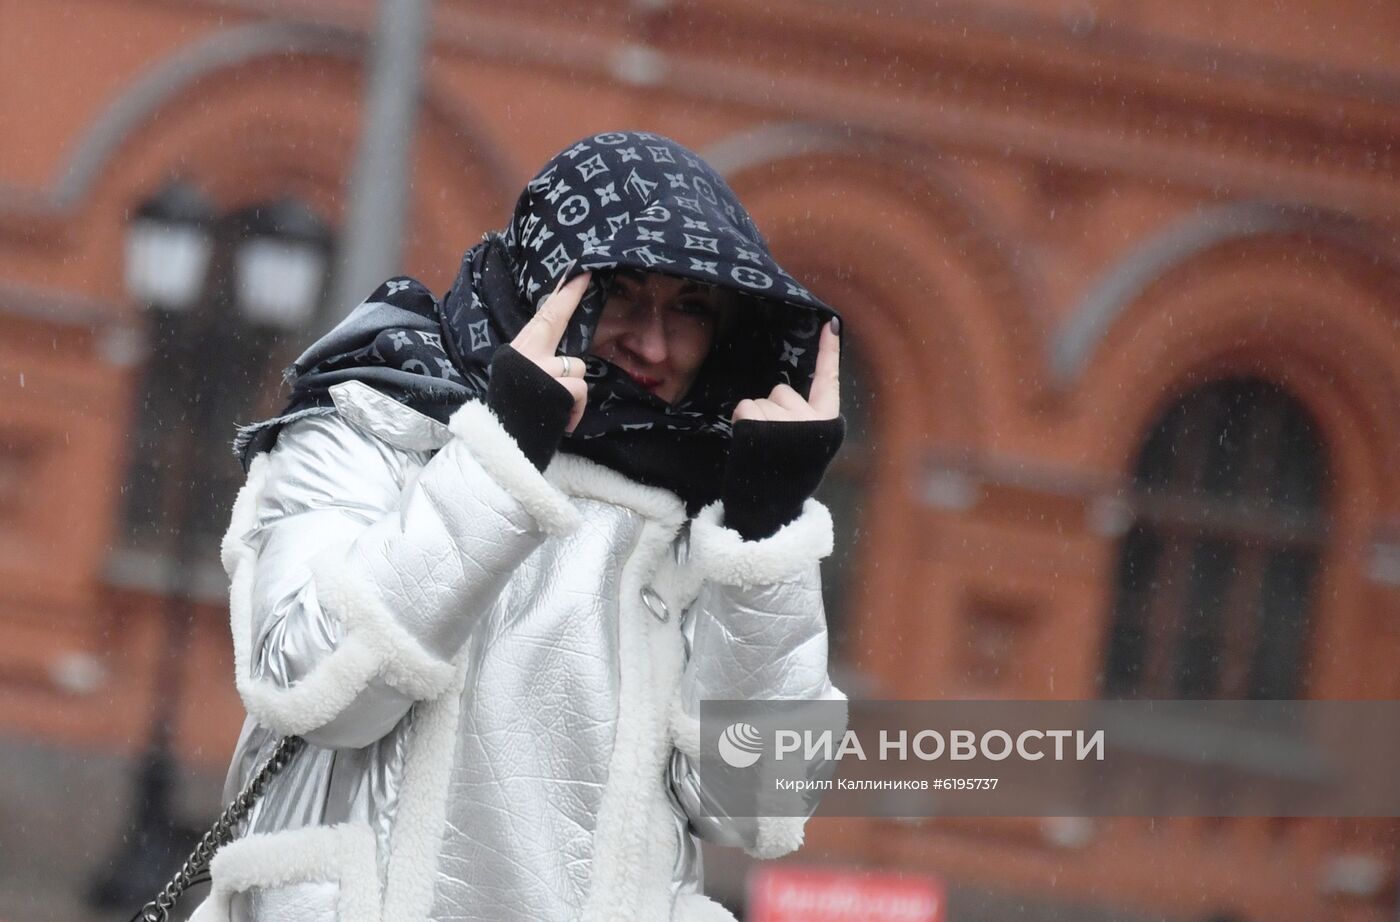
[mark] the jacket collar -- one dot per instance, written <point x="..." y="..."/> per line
<point x="396" y="423"/>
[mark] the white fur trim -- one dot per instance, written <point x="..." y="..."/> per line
<point x="634" y="842"/>
<point x="685" y="728"/>
<point x="780" y="835"/>
<point x="232" y="549"/>
<point x="581" y="477"/>
<point x="777" y="835"/>
<point x="374" y="645"/>
<point x="398" y="656"/>
<point x="696" y="907"/>
<point x="421" y="820"/>
<point x="834" y="694"/>
<point x="343" y="854"/>
<point x="722" y="555"/>
<point x="499" y="455"/>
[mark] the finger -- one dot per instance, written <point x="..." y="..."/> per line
<point x="778" y="413"/>
<point x="761" y="408"/>
<point x="544" y="330"/>
<point x="825" y="397"/>
<point x="774" y="412"/>
<point x="747" y="409"/>
<point x="540" y="336"/>
<point x="791" y="401"/>
<point x="530" y="332"/>
<point x="579" y="390"/>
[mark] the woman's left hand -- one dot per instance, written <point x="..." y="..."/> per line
<point x="784" y="403"/>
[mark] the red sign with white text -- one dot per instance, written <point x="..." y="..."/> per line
<point x="784" y="893"/>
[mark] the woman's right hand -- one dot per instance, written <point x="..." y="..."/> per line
<point x="539" y="340"/>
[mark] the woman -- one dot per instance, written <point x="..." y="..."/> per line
<point x="489" y="584"/>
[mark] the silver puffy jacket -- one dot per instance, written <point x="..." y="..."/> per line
<point x="498" y="673"/>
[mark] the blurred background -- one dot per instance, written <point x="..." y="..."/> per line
<point x="1123" y="371"/>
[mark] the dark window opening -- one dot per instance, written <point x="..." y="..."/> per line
<point x="1215" y="577"/>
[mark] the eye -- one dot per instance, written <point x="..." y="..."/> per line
<point x="624" y="284"/>
<point x="629" y="277"/>
<point x="697" y="307"/>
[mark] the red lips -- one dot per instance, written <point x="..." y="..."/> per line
<point x="643" y="380"/>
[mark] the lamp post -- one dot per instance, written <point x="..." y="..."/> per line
<point x="378" y="191"/>
<point x="275" y="267"/>
<point x="168" y="248"/>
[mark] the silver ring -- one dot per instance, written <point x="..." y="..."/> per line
<point x="566" y="365"/>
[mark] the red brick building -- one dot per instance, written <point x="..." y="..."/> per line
<point x="1123" y="287"/>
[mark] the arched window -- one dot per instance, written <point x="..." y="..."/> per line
<point x="228" y="299"/>
<point x="1216" y="575"/>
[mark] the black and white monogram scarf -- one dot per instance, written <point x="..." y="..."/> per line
<point x="617" y="199"/>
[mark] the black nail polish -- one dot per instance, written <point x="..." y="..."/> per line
<point x="836" y="325"/>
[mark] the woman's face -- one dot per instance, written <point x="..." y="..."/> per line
<point x="658" y="329"/>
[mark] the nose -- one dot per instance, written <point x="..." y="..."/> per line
<point x="647" y="338"/>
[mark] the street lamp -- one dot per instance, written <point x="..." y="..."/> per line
<point x="280" y="267"/>
<point x="167" y="248"/>
<point x="277" y="264"/>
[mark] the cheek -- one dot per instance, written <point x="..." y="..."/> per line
<point x="607" y="330"/>
<point x="690" y="344"/>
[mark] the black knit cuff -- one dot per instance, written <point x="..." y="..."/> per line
<point x="773" y="467"/>
<point x="530" y="403"/>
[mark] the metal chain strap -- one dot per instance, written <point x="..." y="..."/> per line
<point x="158" y="909"/>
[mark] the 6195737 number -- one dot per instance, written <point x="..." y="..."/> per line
<point x="964" y="784"/>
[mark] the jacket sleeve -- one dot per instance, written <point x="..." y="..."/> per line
<point x="358" y="566"/>
<point x="756" y="630"/>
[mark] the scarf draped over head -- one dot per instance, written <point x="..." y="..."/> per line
<point x="618" y="199"/>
